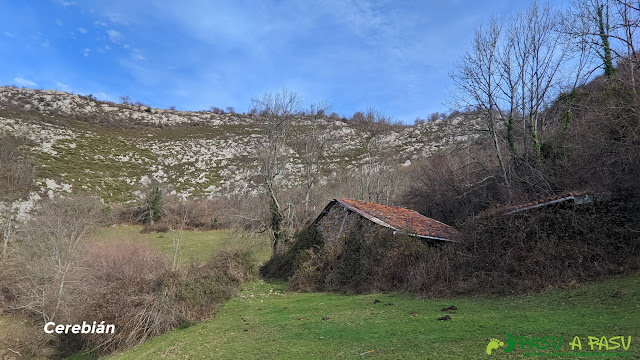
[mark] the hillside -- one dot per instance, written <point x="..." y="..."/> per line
<point x="113" y="150"/>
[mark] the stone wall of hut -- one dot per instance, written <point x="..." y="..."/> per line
<point x="329" y="225"/>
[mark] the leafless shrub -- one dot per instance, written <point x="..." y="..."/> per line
<point x="125" y="100"/>
<point x="155" y="227"/>
<point x="453" y="186"/>
<point x="202" y="288"/>
<point x="16" y="171"/>
<point x="374" y="122"/>
<point x="130" y="286"/>
<point x="204" y="214"/>
<point x="49" y="255"/>
<point x="216" y="110"/>
<point x="431" y="274"/>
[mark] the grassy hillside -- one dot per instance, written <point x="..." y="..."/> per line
<point x="268" y="322"/>
<point x="112" y="150"/>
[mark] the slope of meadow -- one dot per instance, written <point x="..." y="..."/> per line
<point x="267" y="322"/>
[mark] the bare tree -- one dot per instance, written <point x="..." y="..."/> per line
<point x="277" y="111"/>
<point x="539" y="55"/>
<point x="378" y="180"/>
<point x="477" y="79"/>
<point x="608" y="28"/>
<point x="6" y="227"/>
<point x="176" y="239"/>
<point x="51" y="254"/>
<point x="125" y="99"/>
<point x="310" y="146"/>
<point x="511" y="73"/>
<point x="629" y="16"/>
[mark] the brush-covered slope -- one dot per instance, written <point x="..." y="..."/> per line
<point x="81" y="144"/>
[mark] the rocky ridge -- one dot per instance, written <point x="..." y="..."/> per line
<point x="114" y="150"/>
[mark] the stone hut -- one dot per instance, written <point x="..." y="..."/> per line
<point x="340" y="216"/>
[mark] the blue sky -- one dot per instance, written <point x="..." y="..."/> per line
<point x="394" y="56"/>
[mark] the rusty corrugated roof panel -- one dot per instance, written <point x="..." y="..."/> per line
<point x="584" y="197"/>
<point x="402" y="220"/>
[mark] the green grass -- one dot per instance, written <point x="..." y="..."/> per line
<point x="197" y="245"/>
<point x="84" y="163"/>
<point x="267" y="322"/>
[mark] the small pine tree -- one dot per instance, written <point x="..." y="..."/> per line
<point x="153" y="204"/>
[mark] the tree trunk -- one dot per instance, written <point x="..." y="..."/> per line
<point x="609" y="70"/>
<point x="276" y="231"/>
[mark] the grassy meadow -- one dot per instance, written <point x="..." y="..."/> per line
<point x="267" y="322"/>
<point x="196" y="245"/>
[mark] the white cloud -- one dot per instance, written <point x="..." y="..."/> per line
<point x="137" y="55"/>
<point x="8" y="34"/>
<point x="63" y="86"/>
<point x="64" y="2"/>
<point x="59" y="22"/>
<point x="114" y="36"/>
<point x="101" y="23"/>
<point x="24" y="82"/>
<point x="82" y="30"/>
<point x="104" y="96"/>
<point x="86" y="52"/>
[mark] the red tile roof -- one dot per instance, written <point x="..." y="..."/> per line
<point x="401" y="219"/>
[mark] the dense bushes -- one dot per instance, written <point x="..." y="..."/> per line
<point x="176" y="213"/>
<point x="16" y="170"/>
<point x="51" y="274"/>
<point x="129" y="285"/>
<point x="202" y="288"/>
<point x="353" y="264"/>
<point x="554" y="246"/>
<point x="307" y="242"/>
<point x="132" y="287"/>
<point x="379" y="262"/>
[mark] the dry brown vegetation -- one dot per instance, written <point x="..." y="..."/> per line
<point x="16" y="170"/>
<point x="52" y="274"/>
